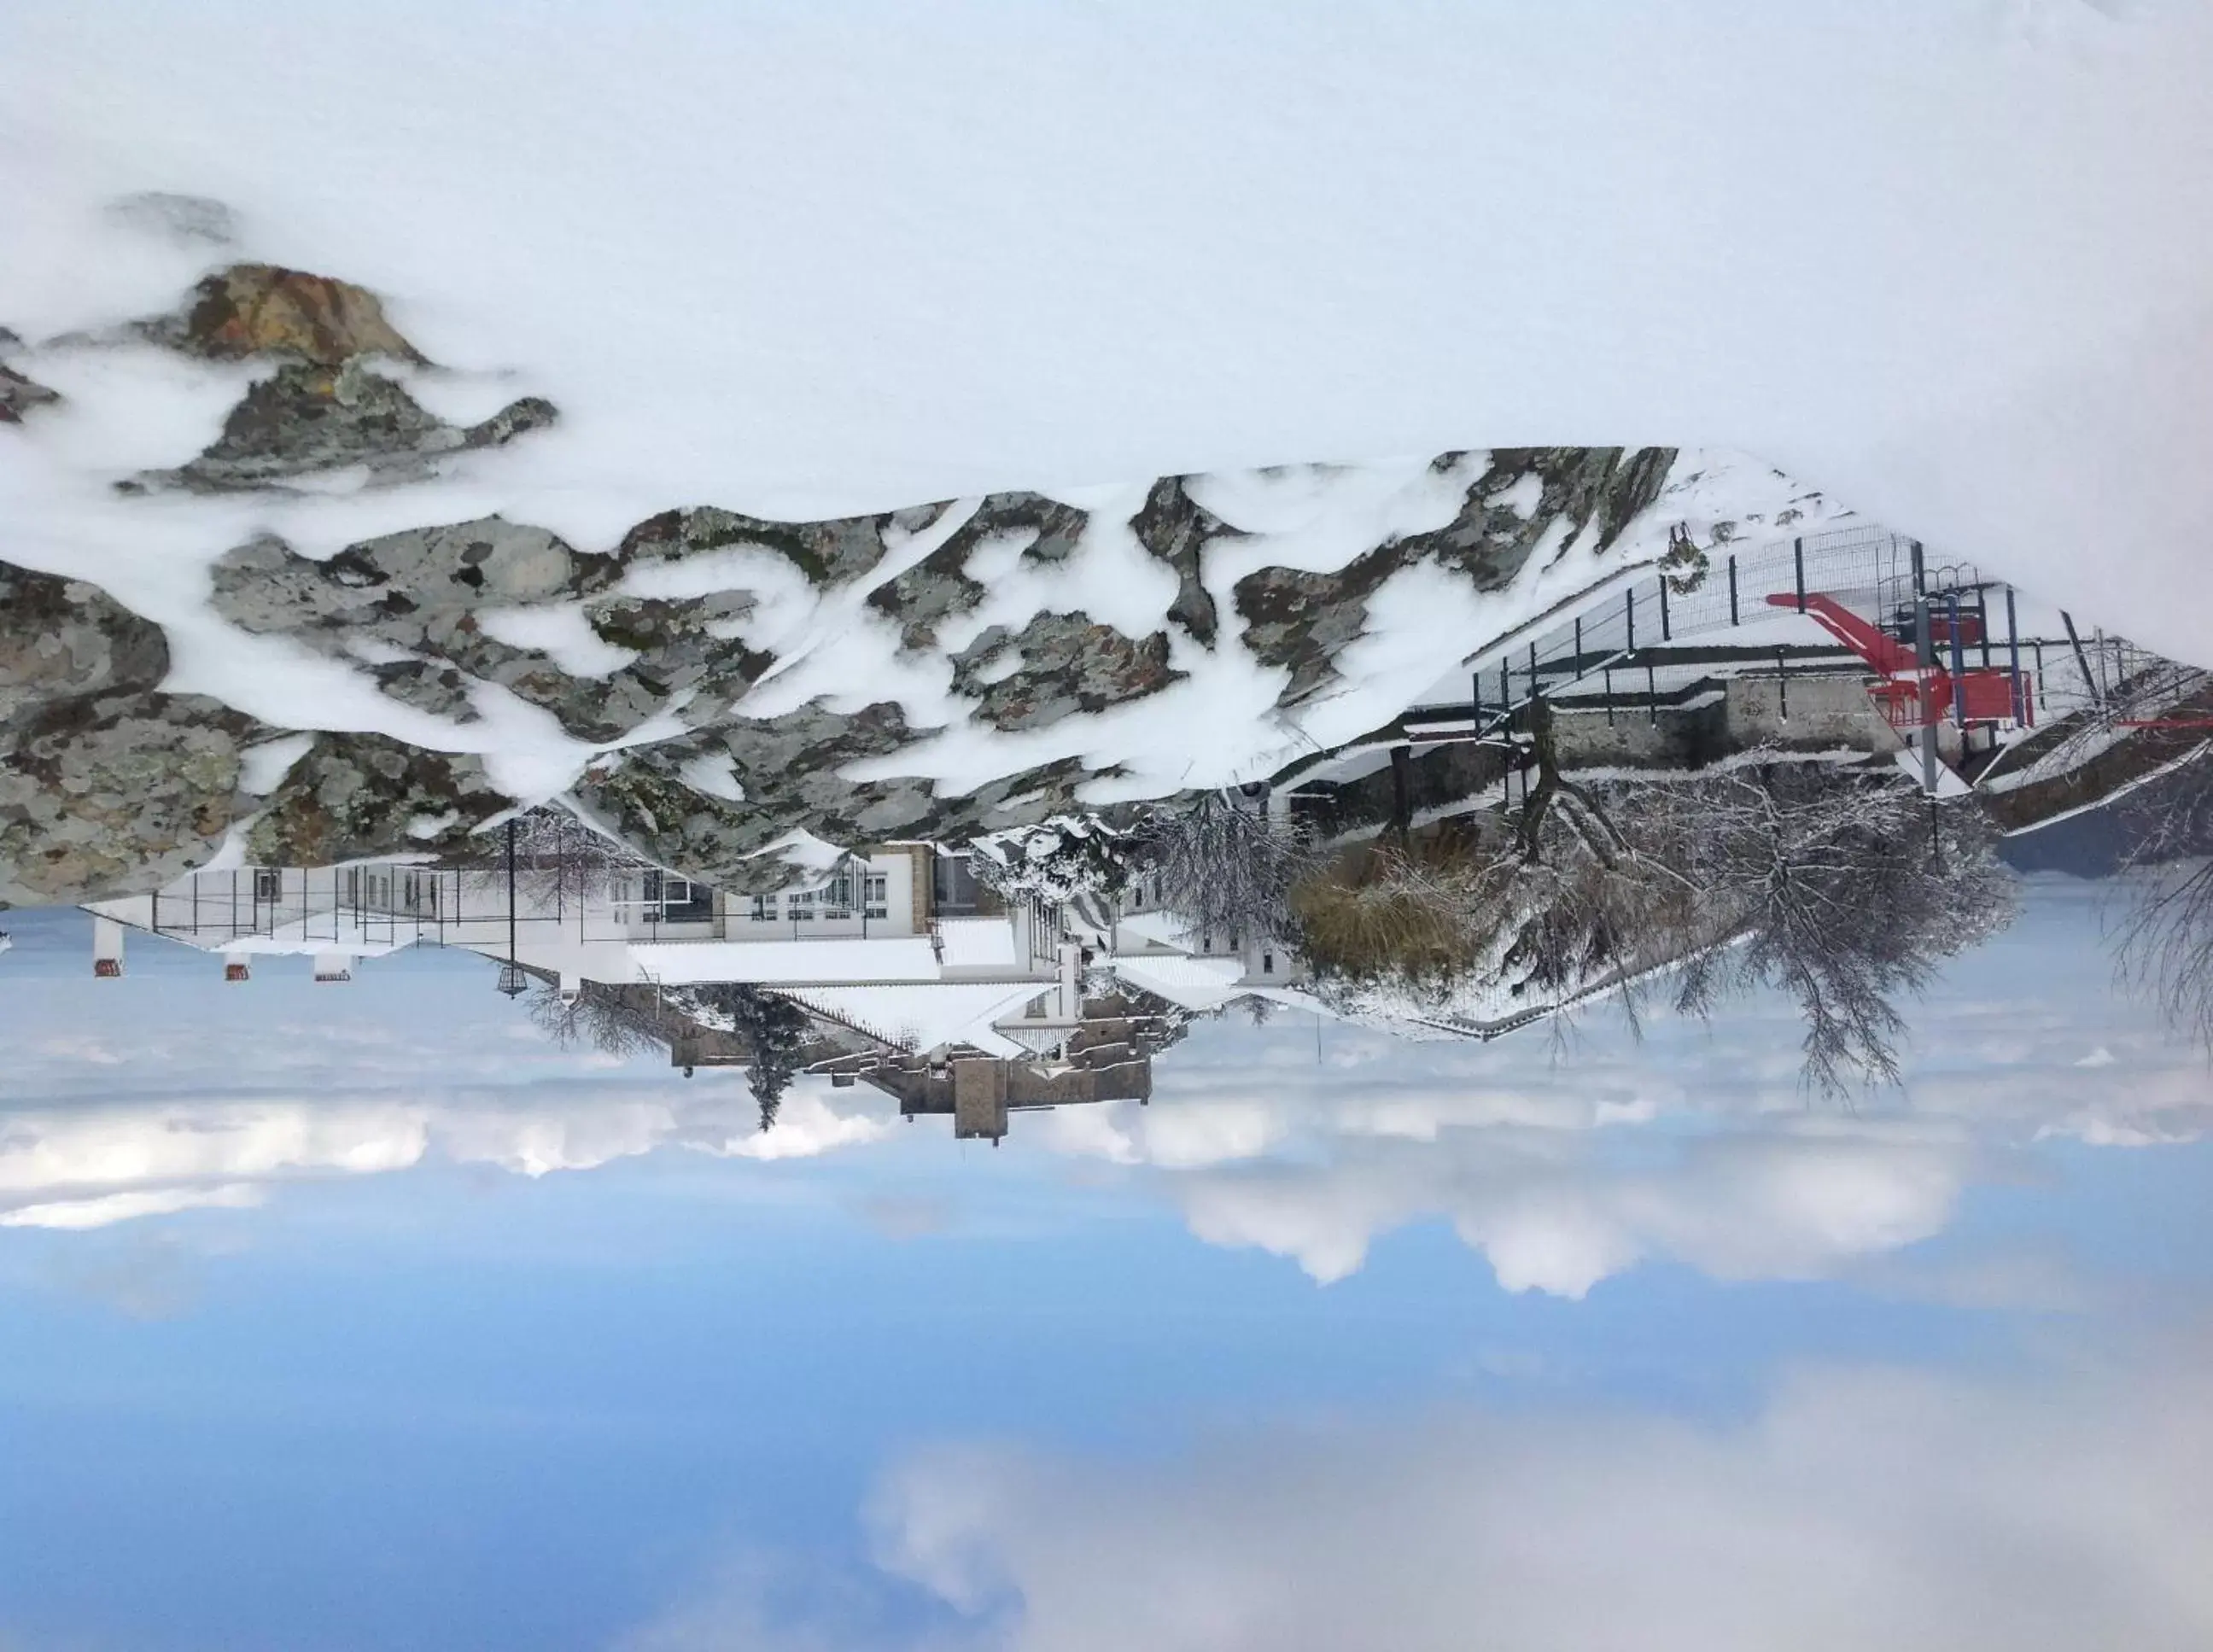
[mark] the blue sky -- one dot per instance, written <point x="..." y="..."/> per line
<point x="378" y="1384"/>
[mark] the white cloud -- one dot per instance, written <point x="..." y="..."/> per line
<point x="1858" y="1508"/>
<point x="108" y="1208"/>
<point x="1695" y="1145"/>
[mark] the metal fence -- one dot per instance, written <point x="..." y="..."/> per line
<point x="1864" y="567"/>
<point x="1867" y="569"/>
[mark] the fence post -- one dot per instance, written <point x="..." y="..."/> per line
<point x="1652" y="693"/>
<point x="1579" y="645"/>
<point x="1505" y="688"/>
<point x="1732" y="571"/>
<point x="1665" y="634"/>
<point x="1609" y="697"/>
<point x="1533" y="670"/>
<point x="1920" y="570"/>
<point x="1959" y="672"/>
<point x="2012" y="660"/>
<point x="1798" y="561"/>
<point x="1783" y="684"/>
<point x="1629" y="611"/>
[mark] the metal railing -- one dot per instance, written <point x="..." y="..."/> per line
<point x="1867" y="569"/>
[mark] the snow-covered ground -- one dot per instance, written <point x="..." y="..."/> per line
<point x="1944" y="260"/>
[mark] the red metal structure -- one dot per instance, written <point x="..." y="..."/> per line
<point x="1913" y="695"/>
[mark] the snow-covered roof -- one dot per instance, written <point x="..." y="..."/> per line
<point x="772" y="963"/>
<point x="977" y="943"/>
<point x="1199" y="983"/>
<point x="923" y="1015"/>
<point x="1163" y="928"/>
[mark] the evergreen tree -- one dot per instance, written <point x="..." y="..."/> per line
<point x="775" y="1027"/>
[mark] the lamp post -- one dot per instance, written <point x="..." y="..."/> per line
<point x="510" y="972"/>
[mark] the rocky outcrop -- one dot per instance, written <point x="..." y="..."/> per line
<point x="935" y="589"/>
<point x="185" y="220"/>
<point x="828" y="553"/>
<point x="66" y="640"/>
<point x="1303" y="621"/>
<point x="108" y="785"/>
<point x="790" y="771"/>
<point x="353" y="796"/>
<point x="1174" y="529"/>
<point x="111" y="784"/>
<point x="19" y="394"/>
<point x="326" y="407"/>
<point x="423" y="591"/>
<point x="304" y="420"/>
<point x="263" y="310"/>
<point x="1067" y="666"/>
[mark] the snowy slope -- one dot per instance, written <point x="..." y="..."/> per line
<point x="1945" y="258"/>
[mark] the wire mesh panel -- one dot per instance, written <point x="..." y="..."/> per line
<point x="1865" y="568"/>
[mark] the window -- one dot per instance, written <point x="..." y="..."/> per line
<point x="801" y="907"/>
<point x="1267" y="963"/>
<point x="837" y="898"/>
<point x="879" y="894"/>
<point x="764" y="909"/>
<point x="269" y="884"/>
<point x="672" y="899"/>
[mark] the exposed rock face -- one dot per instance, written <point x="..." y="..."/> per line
<point x="403" y="586"/>
<point x="1174" y="528"/>
<point x="827" y="553"/>
<point x="187" y="220"/>
<point x="1305" y="620"/>
<point x="67" y="640"/>
<point x="309" y="419"/>
<point x="790" y="770"/>
<point x="353" y="796"/>
<point x="18" y="393"/>
<point x="111" y="785"/>
<point x="1068" y="666"/>
<point x="108" y="785"/>
<point x="325" y="408"/>
<point x="927" y="595"/>
<point x="260" y="309"/>
<point x="421" y="591"/>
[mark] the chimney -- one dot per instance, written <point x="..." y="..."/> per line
<point x="333" y="966"/>
<point x="107" y="949"/>
<point x="235" y="968"/>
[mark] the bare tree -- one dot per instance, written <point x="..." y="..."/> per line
<point x="1223" y="862"/>
<point x="1814" y="879"/>
<point x="612" y="1020"/>
<point x="1825" y="882"/>
<point x="558" y="859"/>
<point x="2165" y="937"/>
<point x="1068" y="858"/>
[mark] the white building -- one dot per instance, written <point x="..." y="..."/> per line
<point x="871" y="918"/>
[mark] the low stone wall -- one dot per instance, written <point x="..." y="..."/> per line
<point x="1807" y="712"/>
